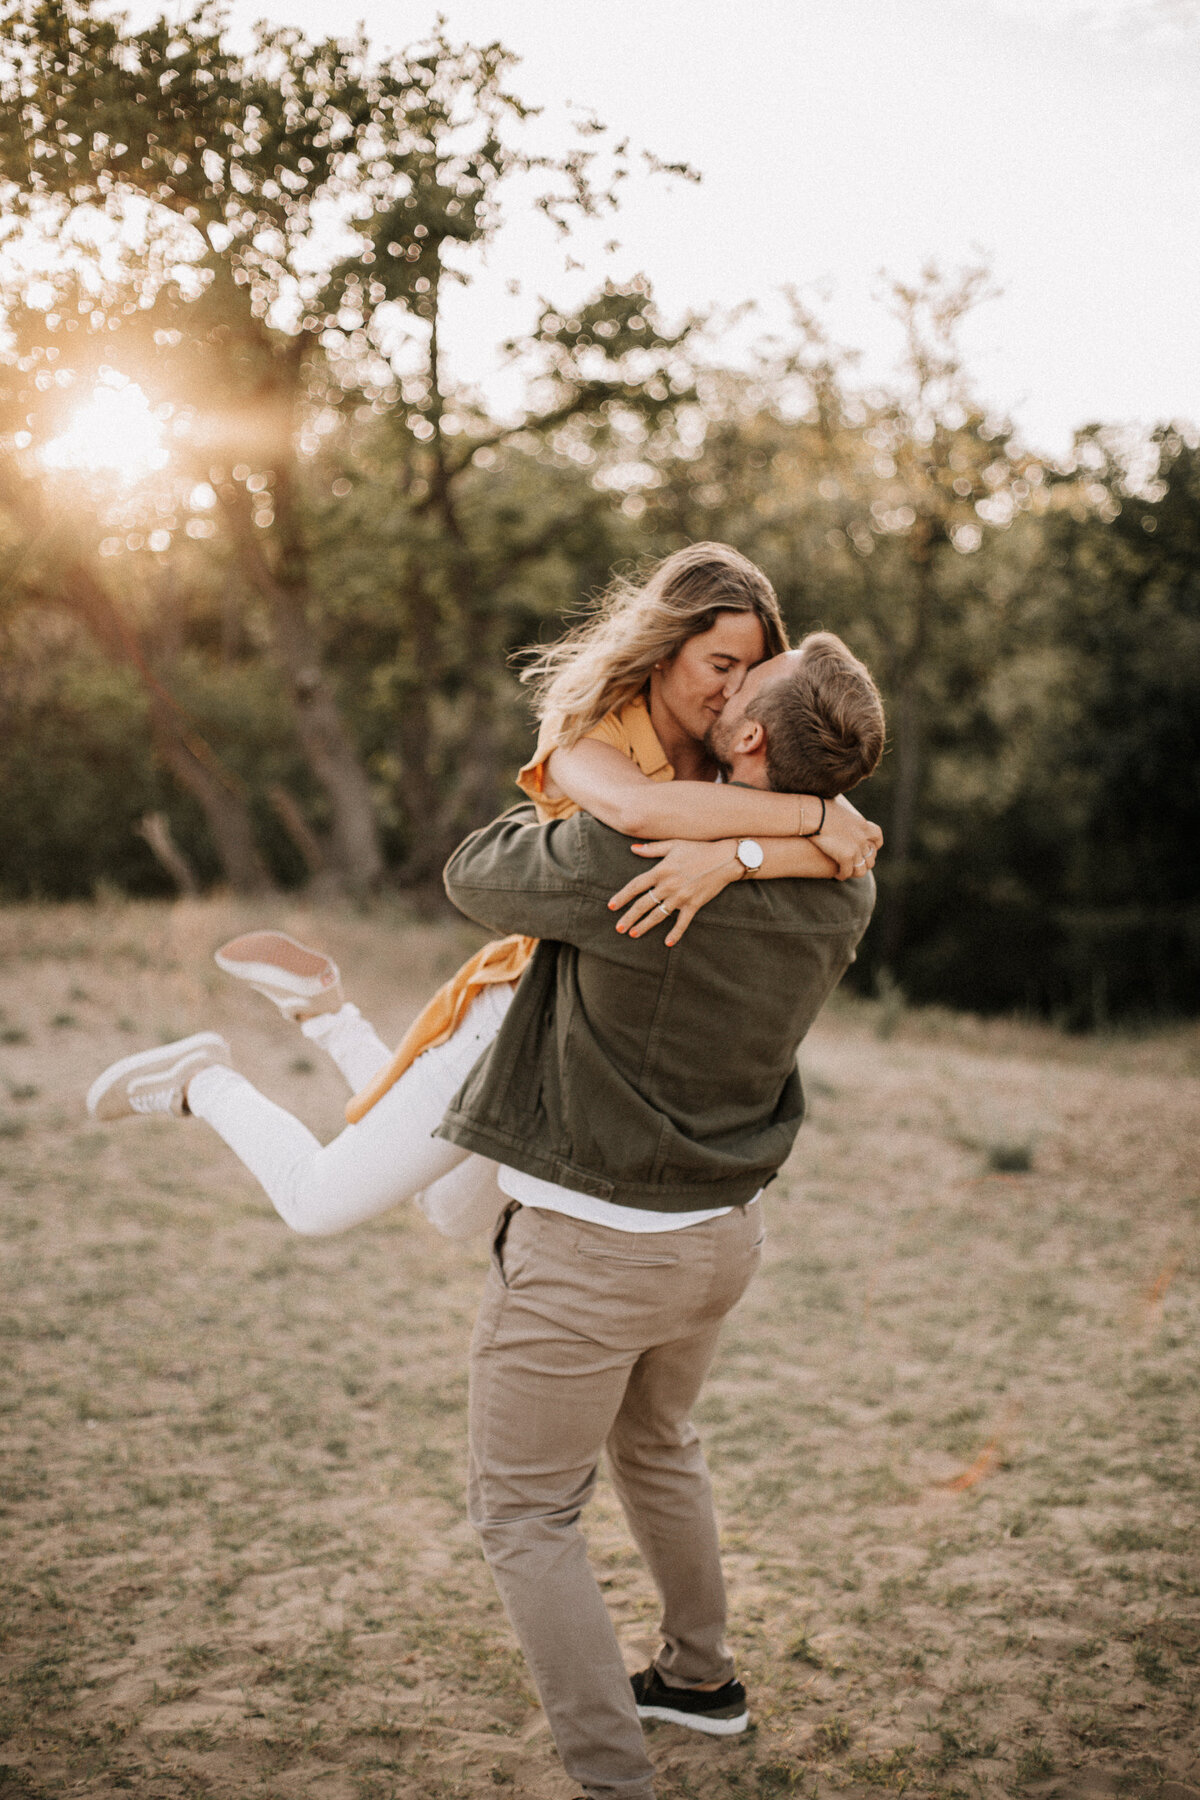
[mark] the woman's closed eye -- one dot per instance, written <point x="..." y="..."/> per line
<point x="730" y="674"/>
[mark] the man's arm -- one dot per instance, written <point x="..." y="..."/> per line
<point x="518" y="875"/>
<point x="607" y="785"/>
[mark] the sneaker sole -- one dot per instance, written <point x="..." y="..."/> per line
<point x="697" y="1721"/>
<point x="162" y="1059"/>
<point x="266" y="955"/>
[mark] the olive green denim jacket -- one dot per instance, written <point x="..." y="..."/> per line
<point x="650" y="1077"/>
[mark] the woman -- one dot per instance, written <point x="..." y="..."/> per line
<point x="625" y="704"/>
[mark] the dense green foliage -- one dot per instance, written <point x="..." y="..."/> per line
<point x="290" y="630"/>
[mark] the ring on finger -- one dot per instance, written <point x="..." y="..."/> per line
<point x="664" y="910"/>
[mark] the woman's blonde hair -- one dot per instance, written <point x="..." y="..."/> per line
<point x="606" y="661"/>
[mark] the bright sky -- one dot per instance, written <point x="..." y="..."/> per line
<point x="1059" y="138"/>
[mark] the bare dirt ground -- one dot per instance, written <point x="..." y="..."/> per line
<point x="952" y="1427"/>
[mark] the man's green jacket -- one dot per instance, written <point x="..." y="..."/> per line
<point x="654" y="1078"/>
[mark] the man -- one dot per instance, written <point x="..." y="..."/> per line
<point x="638" y="1098"/>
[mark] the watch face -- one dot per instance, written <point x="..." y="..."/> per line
<point x="750" y="853"/>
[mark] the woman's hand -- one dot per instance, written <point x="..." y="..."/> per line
<point x="685" y="878"/>
<point x="848" y="839"/>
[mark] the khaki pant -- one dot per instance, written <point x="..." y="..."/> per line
<point x="590" y="1338"/>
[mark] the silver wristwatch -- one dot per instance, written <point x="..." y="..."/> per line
<point x="749" y="853"/>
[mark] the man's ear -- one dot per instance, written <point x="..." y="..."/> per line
<point x="751" y="738"/>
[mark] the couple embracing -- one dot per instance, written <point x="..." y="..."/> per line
<point x="607" y="1090"/>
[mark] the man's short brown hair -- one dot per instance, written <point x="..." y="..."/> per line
<point x="824" y="721"/>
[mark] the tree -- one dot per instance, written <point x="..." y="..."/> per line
<point x="255" y="239"/>
<point x="54" y="565"/>
<point x="467" y="523"/>
<point x="1122" y="735"/>
<point x="867" y="504"/>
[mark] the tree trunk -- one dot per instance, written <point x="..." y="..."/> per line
<point x="298" y="829"/>
<point x="415" y="745"/>
<point x="472" y="799"/>
<point x="192" y="761"/>
<point x="156" y="830"/>
<point x="475" y="791"/>
<point x="354" y="838"/>
<point x="225" y="809"/>
<point x="906" y="735"/>
<point x="907" y="738"/>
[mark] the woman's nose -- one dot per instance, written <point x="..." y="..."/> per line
<point x="733" y="682"/>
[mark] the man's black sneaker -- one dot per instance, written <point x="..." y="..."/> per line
<point x="722" y="1713"/>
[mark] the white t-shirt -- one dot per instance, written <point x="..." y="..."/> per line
<point x="531" y="1190"/>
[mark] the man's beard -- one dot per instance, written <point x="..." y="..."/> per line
<point x="716" y="742"/>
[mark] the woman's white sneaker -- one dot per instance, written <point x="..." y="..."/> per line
<point x="299" y="981"/>
<point x="155" y="1081"/>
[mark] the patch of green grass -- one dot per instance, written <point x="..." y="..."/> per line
<point x="317" y="1672"/>
<point x="193" y="1659"/>
<point x="776" y="1777"/>
<point x="895" y="1770"/>
<point x="294" y="1742"/>
<point x="1098" y="1730"/>
<point x="1127" y="1538"/>
<point x="1150" y="1665"/>
<point x="47" y="1679"/>
<point x="955" y="1597"/>
<point x="832" y="1736"/>
<point x="1035" y="1763"/>
<point x="801" y="1650"/>
<point x="196" y="1737"/>
<point x="17" y="1784"/>
<point x="960" y="1746"/>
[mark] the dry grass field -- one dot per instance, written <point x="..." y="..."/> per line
<point x="952" y="1428"/>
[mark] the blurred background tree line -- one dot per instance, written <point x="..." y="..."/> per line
<point x="266" y="565"/>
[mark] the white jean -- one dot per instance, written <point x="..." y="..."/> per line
<point x="389" y="1156"/>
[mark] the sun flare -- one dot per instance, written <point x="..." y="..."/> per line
<point x="115" y="432"/>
